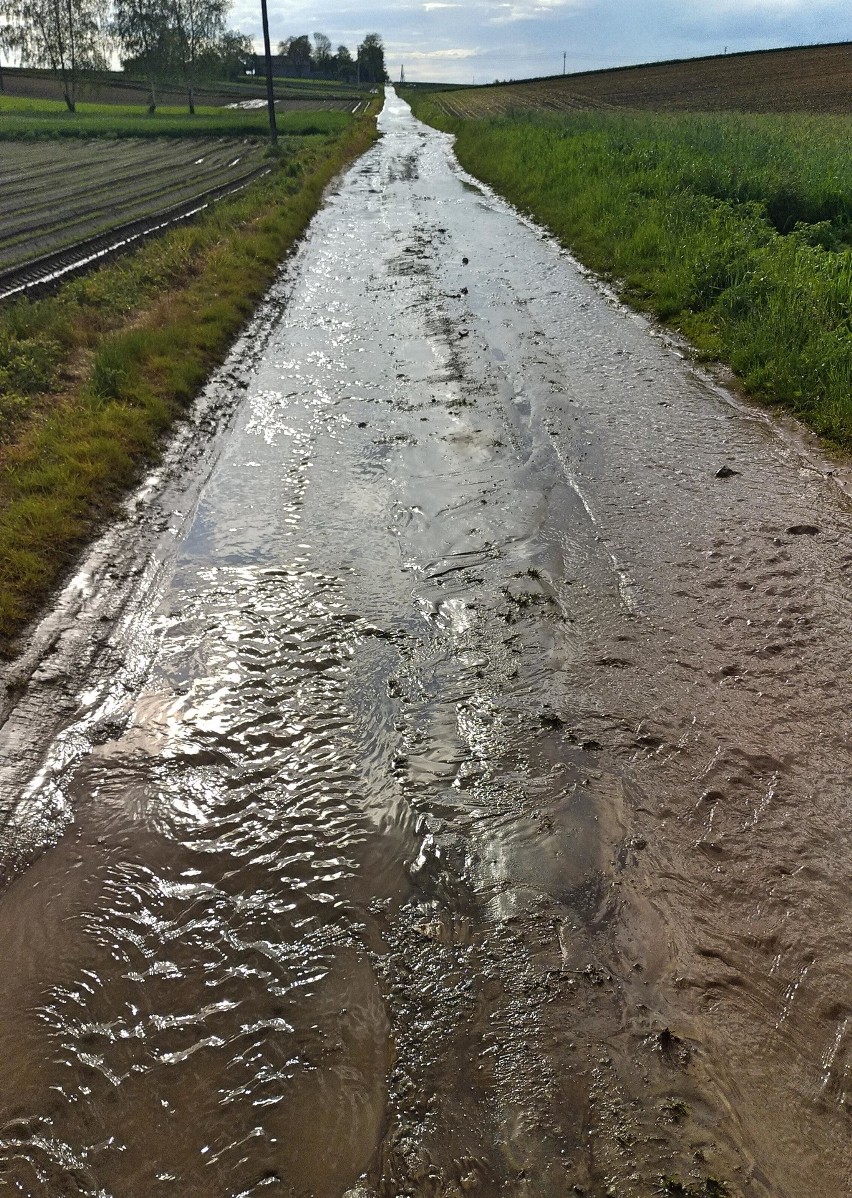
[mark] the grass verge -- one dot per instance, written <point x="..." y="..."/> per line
<point x="33" y="120"/>
<point x="91" y="378"/>
<point x="735" y="229"/>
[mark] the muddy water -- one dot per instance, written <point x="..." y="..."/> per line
<point x="448" y="792"/>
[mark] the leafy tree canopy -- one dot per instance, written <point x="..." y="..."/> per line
<point x="371" y="57"/>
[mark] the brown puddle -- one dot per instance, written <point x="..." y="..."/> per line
<point x="458" y="802"/>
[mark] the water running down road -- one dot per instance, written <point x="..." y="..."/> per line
<point x="449" y="797"/>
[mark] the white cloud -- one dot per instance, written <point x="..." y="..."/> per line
<point x="530" y="10"/>
<point x="433" y="55"/>
<point x="775" y="7"/>
<point x="522" y="38"/>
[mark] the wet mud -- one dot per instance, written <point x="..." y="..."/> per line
<point x="438" y="785"/>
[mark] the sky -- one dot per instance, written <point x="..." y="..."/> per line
<point x="462" y="41"/>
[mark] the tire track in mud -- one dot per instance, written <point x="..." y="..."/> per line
<point x="471" y="809"/>
<point x="515" y="879"/>
<point x="686" y="1107"/>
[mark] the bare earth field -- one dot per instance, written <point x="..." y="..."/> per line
<point x="54" y="194"/>
<point x="813" y="79"/>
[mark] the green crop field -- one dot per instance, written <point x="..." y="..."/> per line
<point x="115" y="88"/>
<point x="26" y="119"/>
<point x="736" y="228"/>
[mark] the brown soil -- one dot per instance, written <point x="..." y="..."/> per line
<point x="54" y="196"/>
<point x="811" y="79"/>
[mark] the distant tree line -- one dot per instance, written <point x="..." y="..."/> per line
<point x="297" y="57"/>
<point x="162" y="41"/>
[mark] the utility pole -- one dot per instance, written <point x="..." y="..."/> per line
<point x="402" y="75"/>
<point x="270" y="92"/>
<point x="564" y="61"/>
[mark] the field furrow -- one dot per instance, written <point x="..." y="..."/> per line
<point x="814" y="79"/>
<point x="55" y="194"/>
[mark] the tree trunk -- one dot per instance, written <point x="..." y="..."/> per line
<point x="70" y="85"/>
<point x="191" y="79"/>
<point x="68" y="90"/>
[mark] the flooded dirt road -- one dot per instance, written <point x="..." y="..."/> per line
<point x="438" y="785"/>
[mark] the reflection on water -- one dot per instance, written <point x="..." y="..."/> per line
<point x="468" y="808"/>
<point x="209" y="984"/>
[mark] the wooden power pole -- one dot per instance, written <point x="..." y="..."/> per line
<point x="270" y="92"/>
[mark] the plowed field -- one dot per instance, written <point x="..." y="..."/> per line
<point x="814" y="79"/>
<point x="54" y="194"/>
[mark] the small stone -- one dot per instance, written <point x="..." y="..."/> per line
<point x="726" y="472"/>
<point x="803" y="530"/>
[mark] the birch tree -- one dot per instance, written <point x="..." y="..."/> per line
<point x="141" y="29"/>
<point x="323" y="55"/>
<point x="8" y="43"/>
<point x="65" y="35"/>
<point x="197" y="23"/>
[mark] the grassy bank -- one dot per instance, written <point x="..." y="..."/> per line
<point x="736" y="229"/>
<point x="91" y="378"/>
<point x="27" y="120"/>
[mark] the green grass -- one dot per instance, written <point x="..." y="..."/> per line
<point x="91" y="378"/>
<point x="118" y="81"/>
<point x="736" y="229"/>
<point x="26" y="120"/>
